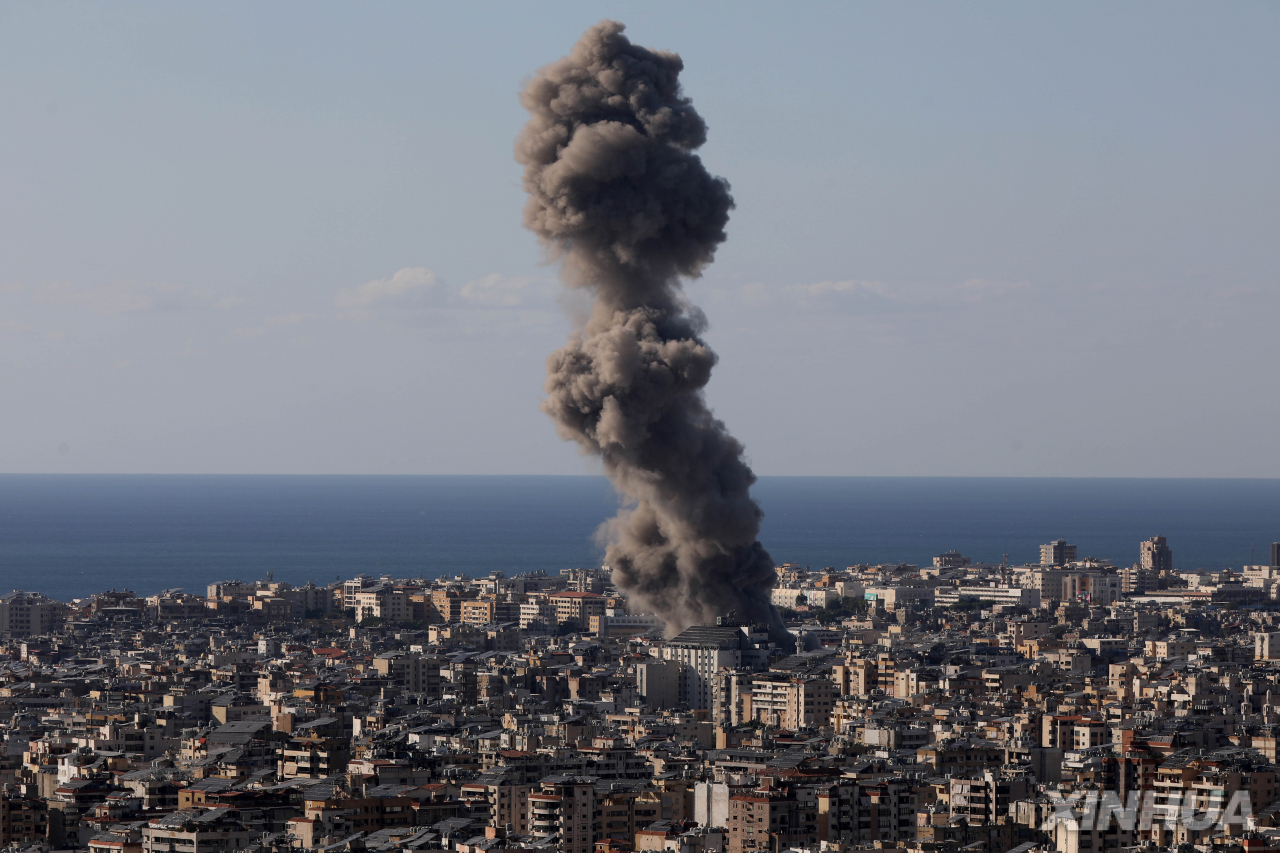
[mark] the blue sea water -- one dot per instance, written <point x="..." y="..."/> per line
<point x="70" y="535"/>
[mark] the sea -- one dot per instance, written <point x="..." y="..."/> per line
<point x="68" y="536"/>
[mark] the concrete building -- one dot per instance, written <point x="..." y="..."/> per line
<point x="29" y="614"/>
<point x="707" y="649"/>
<point x="564" y="807"/>
<point x="661" y="683"/>
<point x="537" y="615"/>
<point x="505" y="802"/>
<point x="196" y="831"/>
<point x="1156" y="556"/>
<point x="768" y="819"/>
<point x="416" y="672"/>
<point x="1057" y="553"/>
<point x="1008" y="595"/>
<point x="1266" y="646"/>
<point x="381" y="601"/>
<point x="577" y="607"/>
<point x="623" y="624"/>
<point x="793" y="703"/>
<point x="24" y="821"/>
<point x="893" y="597"/>
<point x="951" y="560"/>
<point x="1083" y="583"/>
<point x="1137" y="580"/>
<point x="985" y="797"/>
<point x="353" y="586"/>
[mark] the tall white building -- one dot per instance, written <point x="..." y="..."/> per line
<point x="353" y="587"/>
<point x="707" y="649"/>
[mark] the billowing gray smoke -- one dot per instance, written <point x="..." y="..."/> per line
<point x="618" y="196"/>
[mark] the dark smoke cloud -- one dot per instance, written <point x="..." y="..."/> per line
<point x="618" y="196"/>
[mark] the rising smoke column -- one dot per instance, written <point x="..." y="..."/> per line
<point x="617" y="195"/>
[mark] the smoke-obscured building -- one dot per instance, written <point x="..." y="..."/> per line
<point x="707" y="649"/>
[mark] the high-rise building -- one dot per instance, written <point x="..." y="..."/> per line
<point x="1275" y="554"/>
<point x="707" y="649"/>
<point x="564" y="806"/>
<point x="1156" y="555"/>
<point x="1057" y="553"/>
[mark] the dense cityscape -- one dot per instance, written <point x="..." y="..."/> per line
<point x="364" y="486"/>
<point x="1066" y="705"/>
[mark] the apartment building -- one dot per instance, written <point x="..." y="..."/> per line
<point x="30" y="614"/>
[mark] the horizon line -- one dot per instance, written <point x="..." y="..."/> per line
<point x="601" y="476"/>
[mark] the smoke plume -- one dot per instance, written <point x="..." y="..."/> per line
<point x="617" y="195"/>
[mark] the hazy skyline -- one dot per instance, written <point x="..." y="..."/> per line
<point x="969" y="239"/>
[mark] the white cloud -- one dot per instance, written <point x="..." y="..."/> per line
<point x="977" y="289"/>
<point x="406" y="283"/>
<point x="823" y="288"/>
<point x="497" y="290"/>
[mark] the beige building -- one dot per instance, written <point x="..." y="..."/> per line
<point x="1095" y="585"/>
<point x="537" y="613"/>
<point x="195" y="831"/>
<point x="1266" y="646"/>
<point x="418" y="673"/>
<point x="383" y="602"/>
<point x="30" y="614"/>
<point x="507" y="803"/>
<point x="564" y="806"/>
<point x="1057" y="553"/>
<point x="793" y="703"/>
<point x="577" y="607"/>
<point x="1156" y="555"/>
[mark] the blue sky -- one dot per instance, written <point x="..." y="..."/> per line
<point x="970" y="239"/>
